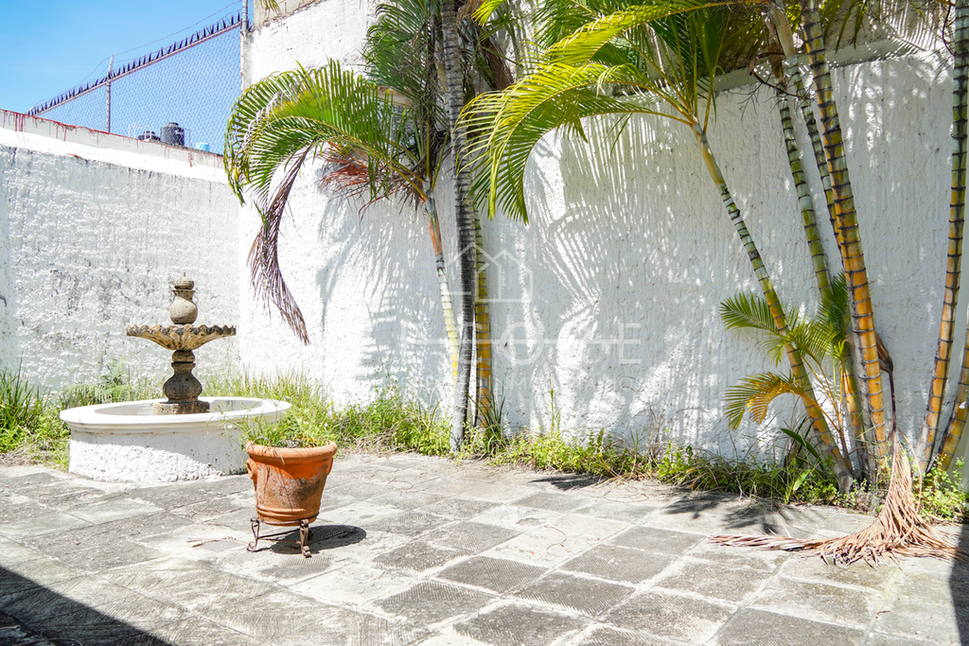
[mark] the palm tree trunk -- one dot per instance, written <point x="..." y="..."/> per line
<point x="482" y="329"/>
<point x="434" y="229"/>
<point x="859" y="295"/>
<point x="957" y="209"/>
<point x="842" y="469"/>
<point x="777" y="16"/>
<point x="464" y="219"/>
<point x="804" y="200"/>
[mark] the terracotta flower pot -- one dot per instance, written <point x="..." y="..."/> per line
<point x="288" y="482"/>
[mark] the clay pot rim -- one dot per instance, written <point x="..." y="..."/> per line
<point x="288" y="454"/>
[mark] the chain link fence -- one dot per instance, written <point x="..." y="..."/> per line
<point x="181" y="94"/>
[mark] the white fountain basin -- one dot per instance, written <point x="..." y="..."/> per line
<point x="125" y="442"/>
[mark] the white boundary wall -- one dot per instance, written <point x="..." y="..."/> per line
<point x="609" y="298"/>
<point x="94" y="228"/>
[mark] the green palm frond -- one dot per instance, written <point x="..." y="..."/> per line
<point x="585" y="43"/>
<point x="752" y="312"/>
<point x="754" y="394"/>
<point x="293" y="116"/>
<point x="279" y="124"/>
<point x="513" y="122"/>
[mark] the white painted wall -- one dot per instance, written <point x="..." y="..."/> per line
<point x="94" y="229"/>
<point x="609" y="298"/>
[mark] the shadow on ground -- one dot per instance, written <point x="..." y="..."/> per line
<point x="33" y="614"/>
<point x="324" y="537"/>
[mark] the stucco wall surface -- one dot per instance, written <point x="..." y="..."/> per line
<point x="94" y="229"/>
<point x="605" y="307"/>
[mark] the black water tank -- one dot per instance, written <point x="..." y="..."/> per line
<point x="173" y="134"/>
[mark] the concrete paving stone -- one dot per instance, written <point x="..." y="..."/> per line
<point x="34" y="476"/>
<point x="352" y="584"/>
<point x="755" y="627"/>
<point x="859" y="574"/>
<point x="497" y="575"/>
<point x="588" y="596"/>
<point x="361" y="513"/>
<point x="880" y="639"/>
<point x="456" y="507"/>
<point x="277" y="617"/>
<point x="724" y="582"/>
<point x="186" y="540"/>
<point x="675" y="616"/>
<point x="516" y="517"/>
<point x="45" y="571"/>
<point x="13" y="552"/>
<point x="819" y="601"/>
<point x="65" y="495"/>
<point x="13" y="633"/>
<point x="202" y="588"/>
<point x="341" y="627"/>
<point x="68" y="609"/>
<point x="197" y="631"/>
<point x="106" y="555"/>
<point x="553" y="502"/>
<point x="450" y="638"/>
<point x="359" y="490"/>
<point x="110" y="509"/>
<point x="501" y="492"/>
<point x="141" y="612"/>
<point x="39" y="521"/>
<point x="573" y="483"/>
<point x="843" y="522"/>
<point x="410" y="499"/>
<point x="651" y="539"/>
<point x="134" y="527"/>
<point x="613" y="637"/>
<point x="153" y="577"/>
<point x="419" y="556"/>
<point x="937" y="624"/>
<point x="471" y="536"/>
<point x="548" y="545"/>
<point x="930" y="587"/>
<point x="272" y="567"/>
<point x="205" y="510"/>
<point x="168" y="497"/>
<point x="428" y="602"/>
<point x="514" y="625"/>
<point x="630" y="512"/>
<point x="410" y="523"/>
<point x="619" y="563"/>
<point x="747" y="557"/>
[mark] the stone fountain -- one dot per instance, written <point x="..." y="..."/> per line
<point x="182" y="437"/>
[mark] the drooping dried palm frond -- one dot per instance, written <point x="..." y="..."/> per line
<point x="898" y="530"/>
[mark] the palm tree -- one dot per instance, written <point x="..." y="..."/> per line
<point x="658" y="59"/>
<point x="386" y="133"/>
<point x="960" y="74"/>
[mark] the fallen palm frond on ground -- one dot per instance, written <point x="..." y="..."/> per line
<point x="898" y="530"/>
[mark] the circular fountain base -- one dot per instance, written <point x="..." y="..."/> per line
<point x="125" y="442"/>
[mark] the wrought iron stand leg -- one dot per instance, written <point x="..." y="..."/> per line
<point x="304" y="534"/>
<point x="255" y="534"/>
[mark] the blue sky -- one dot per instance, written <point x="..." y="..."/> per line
<point x="49" y="47"/>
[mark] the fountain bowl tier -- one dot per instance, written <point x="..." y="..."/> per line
<point x="125" y="442"/>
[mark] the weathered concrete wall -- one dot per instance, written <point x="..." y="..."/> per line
<point x="94" y="229"/>
<point x="608" y="301"/>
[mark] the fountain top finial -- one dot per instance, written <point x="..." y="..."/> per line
<point x="183" y="310"/>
